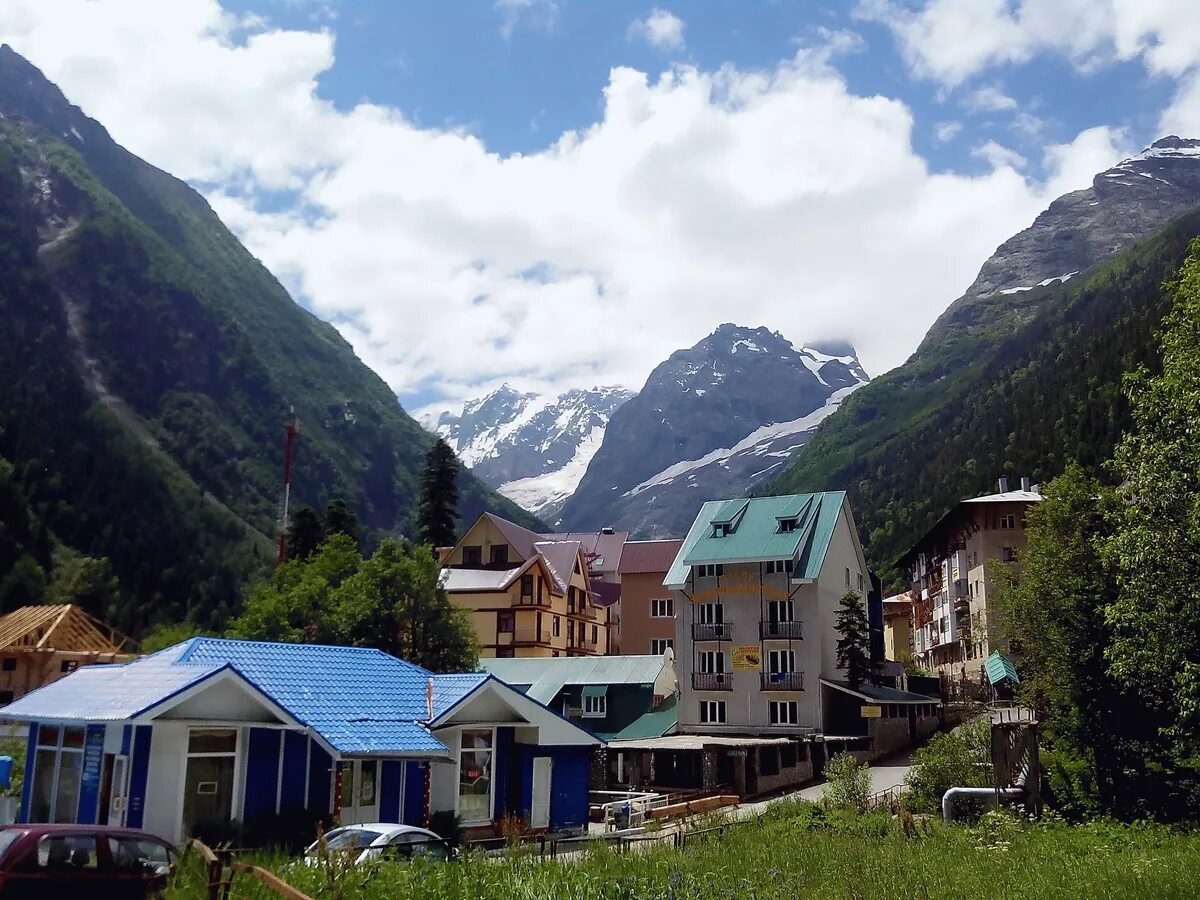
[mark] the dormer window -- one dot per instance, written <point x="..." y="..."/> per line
<point x="787" y="525"/>
<point x="721" y="529"/>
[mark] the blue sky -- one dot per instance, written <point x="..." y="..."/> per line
<point x="558" y="193"/>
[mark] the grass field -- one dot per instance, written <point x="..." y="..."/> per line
<point x="799" y="851"/>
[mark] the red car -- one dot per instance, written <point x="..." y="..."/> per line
<point x="86" y="861"/>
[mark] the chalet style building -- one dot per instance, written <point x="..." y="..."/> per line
<point x="527" y="594"/>
<point x="952" y="634"/>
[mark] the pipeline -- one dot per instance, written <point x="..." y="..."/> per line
<point x="1016" y="792"/>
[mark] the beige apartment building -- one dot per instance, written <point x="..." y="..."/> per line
<point x="952" y="576"/>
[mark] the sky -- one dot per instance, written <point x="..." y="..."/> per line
<point x="559" y="193"/>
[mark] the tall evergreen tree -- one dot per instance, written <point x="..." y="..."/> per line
<point x="305" y="533"/>
<point x="438" y="506"/>
<point x="854" y="640"/>
<point x="340" y="519"/>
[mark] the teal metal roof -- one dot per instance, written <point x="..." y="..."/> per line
<point x="755" y="534"/>
<point x="594" y="690"/>
<point x="999" y="667"/>
<point x="659" y="721"/>
<point x="545" y="677"/>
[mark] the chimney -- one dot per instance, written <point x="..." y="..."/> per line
<point x="607" y="529"/>
<point x="1025" y="484"/>
<point x="1003" y="484"/>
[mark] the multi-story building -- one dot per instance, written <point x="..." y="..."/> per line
<point x="897" y="627"/>
<point x="526" y="595"/>
<point x="757" y="585"/>
<point x="952" y="576"/>
<point x="647" y="606"/>
<point x="603" y="551"/>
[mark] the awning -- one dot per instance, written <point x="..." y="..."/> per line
<point x="594" y="690"/>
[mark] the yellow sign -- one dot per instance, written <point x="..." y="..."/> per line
<point x="872" y="712"/>
<point x="747" y="658"/>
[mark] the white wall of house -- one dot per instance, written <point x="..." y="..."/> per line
<point x="164" y="787"/>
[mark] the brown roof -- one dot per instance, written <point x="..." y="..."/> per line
<point x="58" y="627"/>
<point x="605" y="593"/>
<point x="521" y="539"/>
<point x="560" y="558"/>
<point x="602" y="551"/>
<point x="649" y="556"/>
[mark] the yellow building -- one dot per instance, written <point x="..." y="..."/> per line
<point x="528" y="594"/>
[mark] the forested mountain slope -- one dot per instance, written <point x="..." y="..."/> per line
<point x="1017" y="384"/>
<point x="147" y="367"/>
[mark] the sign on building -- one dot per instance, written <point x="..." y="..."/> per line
<point x="747" y="658"/>
<point x="872" y="712"/>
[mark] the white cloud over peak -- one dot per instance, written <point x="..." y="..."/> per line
<point x="768" y="196"/>
<point x="998" y="156"/>
<point x="660" y="28"/>
<point x="990" y="98"/>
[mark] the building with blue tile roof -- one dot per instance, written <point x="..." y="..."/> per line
<point x="210" y="730"/>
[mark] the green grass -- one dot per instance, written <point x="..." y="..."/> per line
<point x="799" y="851"/>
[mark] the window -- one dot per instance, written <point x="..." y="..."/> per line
<point x="1008" y="521"/>
<point x="709" y="570"/>
<point x="68" y="851"/>
<point x="499" y="554"/>
<point x="139" y="854"/>
<point x="847" y="576"/>
<point x="780" y="611"/>
<point x="861" y="583"/>
<point x="712" y="712"/>
<point x="6" y="697"/>
<point x="595" y="707"/>
<point x="779" y="566"/>
<point x="472" y="555"/>
<point x="768" y="760"/>
<point x="208" y="777"/>
<point x="722" y="529"/>
<point x="57" y="770"/>
<point x="557" y="626"/>
<point x="10" y="664"/>
<point x="509" y="653"/>
<point x="787" y="525"/>
<point x="787" y="756"/>
<point x="659" y="646"/>
<point x="712" y="661"/>
<point x="710" y="613"/>
<point x="781" y="661"/>
<point x="595" y="634"/>
<point x="662" y="608"/>
<point x="526" y="585"/>
<point x="1008" y="554"/>
<point x="505" y="623"/>
<point x="475" y="776"/>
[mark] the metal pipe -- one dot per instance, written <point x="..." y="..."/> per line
<point x="1016" y="792"/>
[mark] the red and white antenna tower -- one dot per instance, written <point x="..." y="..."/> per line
<point x="291" y="429"/>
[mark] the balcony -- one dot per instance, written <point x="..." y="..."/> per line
<point x="781" y="631"/>
<point x="526" y="635"/>
<point x="711" y="631"/>
<point x="531" y="600"/>
<point x="782" y="681"/>
<point x="712" y="681"/>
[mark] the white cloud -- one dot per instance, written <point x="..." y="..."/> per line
<point x="774" y="197"/>
<point x="990" y="98"/>
<point x="540" y="14"/>
<point x="660" y="28"/>
<point x="946" y="131"/>
<point x="998" y="156"/>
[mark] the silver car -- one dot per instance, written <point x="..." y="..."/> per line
<point x="383" y="840"/>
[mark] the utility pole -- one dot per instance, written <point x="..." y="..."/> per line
<point x="291" y="430"/>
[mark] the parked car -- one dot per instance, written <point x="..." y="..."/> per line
<point x="91" y="861"/>
<point x="381" y="840"/>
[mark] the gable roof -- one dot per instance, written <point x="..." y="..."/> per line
<point x="545" y="677"/>
<point x="661" y="720"/>
<point x="560" y="557"/>
<point x="755" y="534"/>
<point x="58" y="627"/>
<point x="640" y="557"/>
<point x="520" y="539"/>
<point x="603" y="552"/>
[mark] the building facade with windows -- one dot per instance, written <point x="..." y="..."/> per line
<point x="647" y="605"/>
<point x="527" y="595"/>
<point x="209" y="731"/>
<point x="952" y="573"/>
<point x="757" y="584"/>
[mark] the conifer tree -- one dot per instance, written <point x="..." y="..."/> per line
<point x="340" y="519"/>
<point x="305" y="533"/>
<point x="437" y="508"/>
<point x="854" y="640"/>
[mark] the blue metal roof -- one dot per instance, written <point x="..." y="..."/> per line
<point x="359" y="700"/>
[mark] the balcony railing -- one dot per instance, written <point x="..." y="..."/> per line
<point x="532" y="600"/>
<point x="785" y="631"/>
<point x="712" y="681"/>
<point x="783" y="681"/>
<point x="711" y="631"/>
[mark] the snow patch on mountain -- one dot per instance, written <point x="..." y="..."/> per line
<point x="544" y="495"/>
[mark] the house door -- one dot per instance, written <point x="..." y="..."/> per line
<point x="112" y="790"/>
<point x="360" y="791"/>
<point x="539" y="813"/>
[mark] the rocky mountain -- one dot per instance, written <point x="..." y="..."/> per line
<point x="148" y="364"/>
<point x="712" y="420"/>
<point x="1023" y="373"/>
<point x="534" y="448"/>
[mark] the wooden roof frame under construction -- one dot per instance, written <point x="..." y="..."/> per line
<point x="64" y="628"/>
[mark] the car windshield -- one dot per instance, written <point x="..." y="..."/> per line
<point x="344" y="838"/>
<point x="7" y="838"/>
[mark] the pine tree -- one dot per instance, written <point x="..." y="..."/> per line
<point x="305" y="533"/>
<point x="854" y="640"/>
<point x="438" y="506"/>
<point x="340" y="519"/>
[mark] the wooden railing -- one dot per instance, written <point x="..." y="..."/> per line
<point x="220" y="872"/>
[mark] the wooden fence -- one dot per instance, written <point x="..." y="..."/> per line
<point x="221" y="872"/>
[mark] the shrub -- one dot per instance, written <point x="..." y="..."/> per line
<point x="849" y="784"/>
<point x="447" y="825"/>
<point x="960" y="758"/>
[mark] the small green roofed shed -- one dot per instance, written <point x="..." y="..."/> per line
<point x="760" y="529"/>
<point x="1000" y="668"/>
